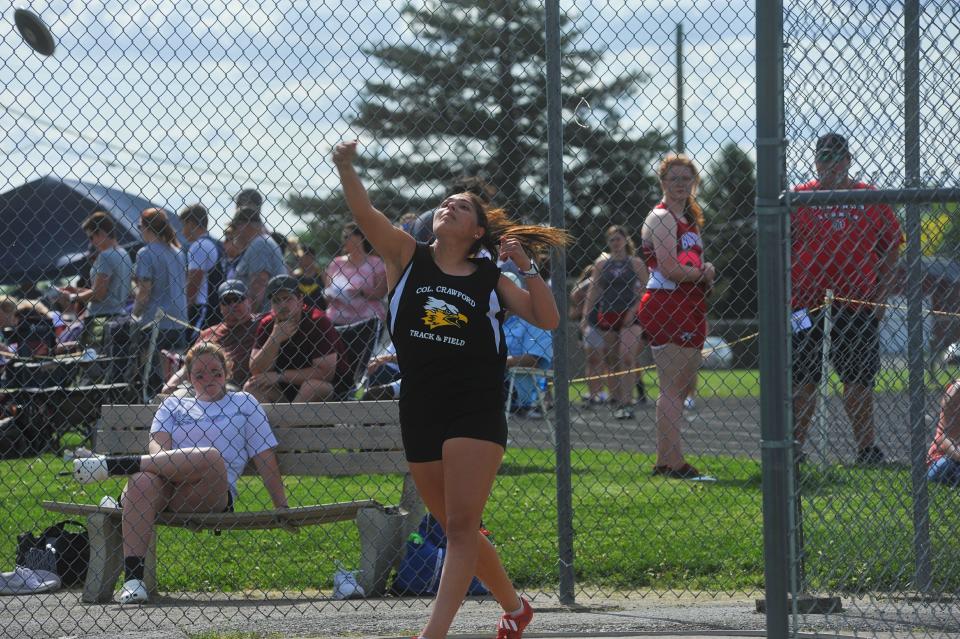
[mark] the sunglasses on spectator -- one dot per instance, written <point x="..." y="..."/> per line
<point x="232" y="299"/>
<point x="831" y="156"/>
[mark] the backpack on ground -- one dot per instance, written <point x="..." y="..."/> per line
<point x="57" y="550"/>
<point x="422" y="563"/>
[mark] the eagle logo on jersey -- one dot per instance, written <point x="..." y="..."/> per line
<point x="440" y="313"/>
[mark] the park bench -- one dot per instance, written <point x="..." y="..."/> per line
<point x="315" y="439"/>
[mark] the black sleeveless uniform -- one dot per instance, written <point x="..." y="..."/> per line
<point x="452" y="354"/>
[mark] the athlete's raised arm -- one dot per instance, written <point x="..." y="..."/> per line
<point x="393" y="245"/>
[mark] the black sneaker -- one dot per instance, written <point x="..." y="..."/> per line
<point x="623" y="412"/>
<point x="870" y="456"/>
<point x="684" y="472"/>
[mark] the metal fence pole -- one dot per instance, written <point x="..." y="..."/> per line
<point x="559" y="282"/>
<point x="681" y="147"/>
<point x="915" y="356"/>
<point x="776" y="444"/>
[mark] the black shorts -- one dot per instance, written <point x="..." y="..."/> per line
<point x="854" y="348"/>
<point x="425" y="429"/>
<point x="289" y="391"/>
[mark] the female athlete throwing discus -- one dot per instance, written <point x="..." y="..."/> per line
<point x="445" y="309"/>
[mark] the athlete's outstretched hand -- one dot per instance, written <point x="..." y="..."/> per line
<point x="344" y="153"/>
<point x="511" y="249"/>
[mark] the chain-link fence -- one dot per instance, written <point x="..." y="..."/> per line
<point x="873" y="312"/>
<point x="168" y="180"/>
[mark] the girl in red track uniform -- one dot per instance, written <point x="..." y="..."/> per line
<point x="673" y="310"/>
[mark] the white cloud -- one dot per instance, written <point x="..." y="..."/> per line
<point x="189" y="101"/>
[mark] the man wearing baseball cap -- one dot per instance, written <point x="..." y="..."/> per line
<point x="851" y="250"/>
<point x="235" y="334"/>
<point x="298" y="355"/>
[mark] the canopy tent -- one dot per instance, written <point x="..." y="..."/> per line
<point x="40" y="234"/>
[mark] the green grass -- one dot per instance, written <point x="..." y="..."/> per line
<point x="631" y="531"/>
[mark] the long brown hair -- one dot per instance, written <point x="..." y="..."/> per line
<point x="622" y="231"/>
<point x="352" y="228"/>
<point x="156" y="221"/>
<point x="692" y="210"/>
<point x="100" y="222"/>
<point x="497" y="224"/>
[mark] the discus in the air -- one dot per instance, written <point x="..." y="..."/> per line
<point x="34" y="32"/>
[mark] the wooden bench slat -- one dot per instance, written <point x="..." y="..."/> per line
<point x="292" y="415"/>
<point x="320" y="439"/>
<point x="258" y="520"/>
<point x="288" y="415"/>
<point x="289" y="439"/>
<point x="127" y="415"/>
<point x="344" y="463"/>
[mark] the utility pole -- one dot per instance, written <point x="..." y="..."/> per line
<point x="680" y="132"/>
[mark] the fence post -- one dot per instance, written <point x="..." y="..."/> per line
<point x="772" y="235"/>
<point x="915" y="359"/>
<point x="558" y="269"/>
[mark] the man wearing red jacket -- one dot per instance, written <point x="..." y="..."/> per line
<point x="852" y="250"/>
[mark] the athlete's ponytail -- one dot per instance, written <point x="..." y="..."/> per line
<point x="497" y="225"/>
<point x="156" y="221"/>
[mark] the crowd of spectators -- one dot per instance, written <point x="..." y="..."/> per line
<point x="295" y="329"/>
<point x="288" y="321"/>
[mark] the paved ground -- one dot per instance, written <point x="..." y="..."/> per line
<point x="190" y="615"/>
<point x="727" y="427"/>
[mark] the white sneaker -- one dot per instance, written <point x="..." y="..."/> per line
<point x="345" y="585"/>
<point x="76" y="453"/>
<point x="109" y="502"/>
<point x="87" y="470"/>
<point x="689" y="403"/>
<point x="133" y="592"/>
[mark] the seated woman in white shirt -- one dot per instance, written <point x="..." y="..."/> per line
<point x="198" y="448"/>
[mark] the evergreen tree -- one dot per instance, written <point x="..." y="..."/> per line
<point x="466" y="95"/>
<point x="730" y="233"/>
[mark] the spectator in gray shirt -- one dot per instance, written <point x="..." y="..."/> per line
<point x="261" y="258"/>
<point x="110" y="277"/>
<point x="205" y="270"/>
<point x="161" y="272"/>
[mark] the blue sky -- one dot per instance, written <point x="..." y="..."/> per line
<point x="182" y="101"/>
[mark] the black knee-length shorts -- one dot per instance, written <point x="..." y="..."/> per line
<point x="854" y="348"/>
<point x="424" y="428"/>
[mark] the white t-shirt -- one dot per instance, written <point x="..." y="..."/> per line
<point x="235" y="425"/>
<point x="202" y="256"/>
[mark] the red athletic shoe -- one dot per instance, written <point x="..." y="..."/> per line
<point x="511" y="627"/>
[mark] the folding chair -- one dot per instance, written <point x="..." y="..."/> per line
<point x="121" y="345"/>
<point x="535" y="373"/>
<point x="361" y="338"/>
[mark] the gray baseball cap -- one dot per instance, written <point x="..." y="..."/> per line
<point x="232" y="287"/>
